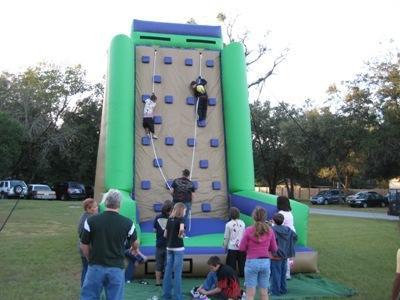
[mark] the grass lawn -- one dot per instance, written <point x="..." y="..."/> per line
<point x="39" y="259"/>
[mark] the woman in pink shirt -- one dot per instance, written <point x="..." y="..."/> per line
<point x="258" y="242"/>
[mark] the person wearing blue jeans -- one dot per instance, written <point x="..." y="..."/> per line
<point x="102" y="243"/>
<point x="285" y="238"/>
<point x="174" y="233"/>
<point x="278" y="276"/>
<point x="174" y="266"/>
<point x="188" y="217"/>
<point x="99" y="277"/>
<point x="133" y="260"/>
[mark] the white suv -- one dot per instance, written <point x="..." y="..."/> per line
<point x="13" y="188"/>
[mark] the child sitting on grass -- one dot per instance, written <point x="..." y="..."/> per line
<point x="221" y="283"/>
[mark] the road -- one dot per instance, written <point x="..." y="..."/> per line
<point x="353" y="214"/>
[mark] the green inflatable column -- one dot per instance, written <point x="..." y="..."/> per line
<point x="120" y="115"/>
<point x="237" y="119"/>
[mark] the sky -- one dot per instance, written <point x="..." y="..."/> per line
<point x="328" y="41"/>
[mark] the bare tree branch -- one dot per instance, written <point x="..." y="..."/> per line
<point x="261" y="79"/>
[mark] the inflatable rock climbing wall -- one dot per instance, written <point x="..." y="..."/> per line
<point x="164" y="58"/>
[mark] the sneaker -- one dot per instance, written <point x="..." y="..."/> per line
<point x="194" y="292"/>
<point x="155" y="137"/>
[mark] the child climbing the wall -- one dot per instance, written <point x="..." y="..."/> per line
<point x="148" y="115"/>
<point x="285" y="238"/>
<point x="233" y="235"/>
<point x="200" y="93"/>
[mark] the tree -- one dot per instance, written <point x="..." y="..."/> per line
<point x="372" y="102"/>
<point x="81" y="129"/>
<point x="38" y="99"/>
<point x="272" y="162"/>
<point x="11" y="137"/>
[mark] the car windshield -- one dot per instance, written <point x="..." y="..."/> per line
<point x="42" y="188"/>
<point x="17" y="182"/>
<point x="75" y="185"/>
<point x="322" y="193"/>
<point x="361" y="195"/>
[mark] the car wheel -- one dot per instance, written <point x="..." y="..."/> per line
<point x="364" y="205"/>
<point x="326" y="202"/>
<point x="18" y="189"/>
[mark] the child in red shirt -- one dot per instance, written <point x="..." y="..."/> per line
<point x="227" y="286"/>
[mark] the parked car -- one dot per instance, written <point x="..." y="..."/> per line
<point x="70" y="190"/>
<point x="328" y="197"/>
<point x="394" y="202"/>
<point x="13" y="189"/>
<point x="41" y="191"/>
<point x="366" y="199"/>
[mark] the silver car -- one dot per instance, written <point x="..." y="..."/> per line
<point x="41" y="191"/>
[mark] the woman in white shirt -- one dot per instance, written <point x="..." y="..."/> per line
<point x="283" y="205"/>
<point x="234" y="230"/>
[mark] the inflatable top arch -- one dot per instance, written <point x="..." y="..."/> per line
<point x="165" y="58"/>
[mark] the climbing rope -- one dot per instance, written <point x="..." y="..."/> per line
<point x="195" y="123"/>
<point x="154" y="69"/>
<point x="158" y="164"/>
<point x="151" y="135"/>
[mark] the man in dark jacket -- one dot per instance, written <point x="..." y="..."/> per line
<point x="182" y="191"/>
<point x="102" y="243"/>
<point x="286" y="239"/>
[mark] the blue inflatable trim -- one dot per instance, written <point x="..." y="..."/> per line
<point x="157" y="120"/>
<point x="212" y="101"/>
<point x="146" y="184"/>
<point x="214" y="143"/>
<point x="174" y="28"/>
<point x="203" y="164"/>
<point x="169" y="181"/>
<point x="167" y="60"/>
<point x="160" y="163"/>
<point x="199" y="226"/>
<point x="216" y="185"/>
<point x="157" y="207"/>
<point x="145" y="59"/>
<point x="190" y="142"/>
<point x="195" y="184"/>
<point x="169" y="141"/>
<point x="145" y="140"/>
<point x="188" y="62"/>
<point x="247" y="205"/>
<point x="157" y="78"/>
<point x="169" y="99"/>
<point x="205" y="207"/>
<point x="144" y="97"/>
<point x="190" y="100"/>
